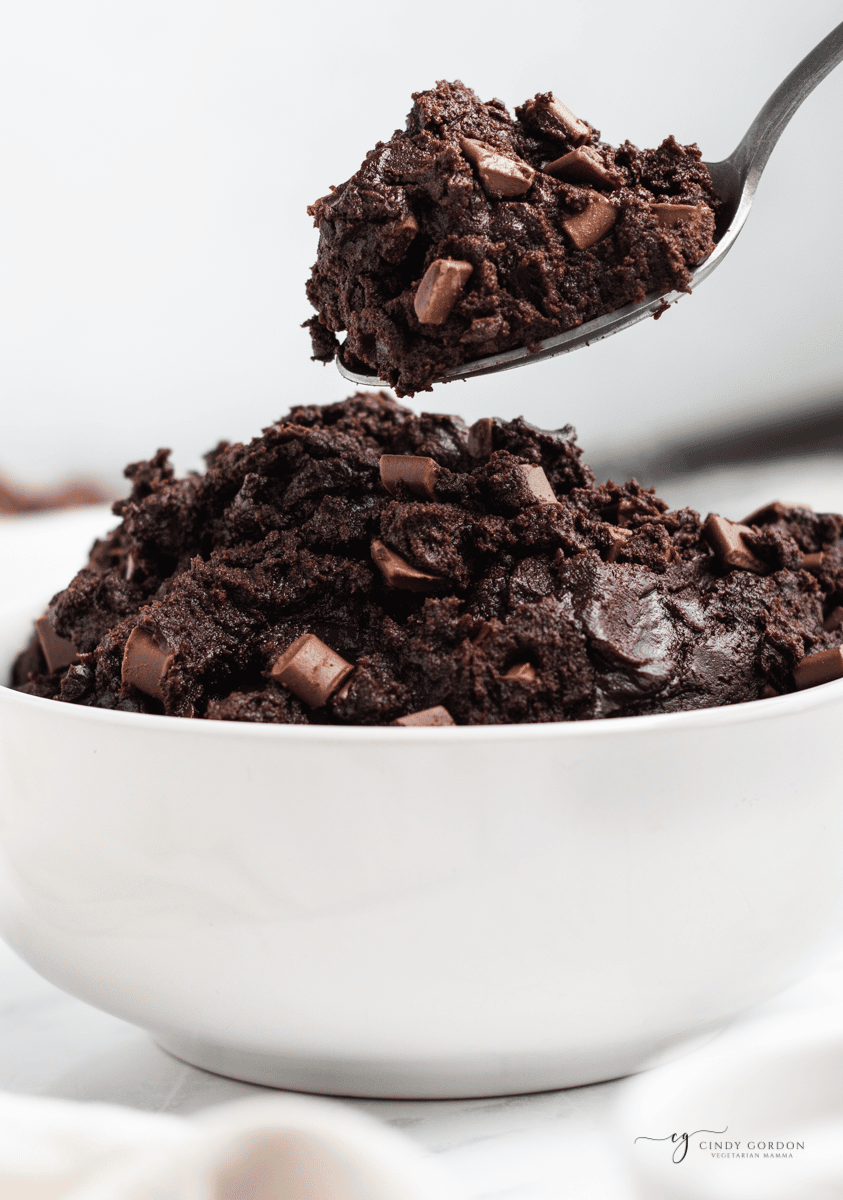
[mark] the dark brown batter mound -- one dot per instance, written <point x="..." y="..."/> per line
<point x="494" y="582"/>
<point x="547" y="225"/>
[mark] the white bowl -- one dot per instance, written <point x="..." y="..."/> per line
<point x="422" y="912"/>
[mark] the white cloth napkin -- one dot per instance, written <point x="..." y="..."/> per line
<point x="762" y="1108"/>
<point x="275" y="1148"/>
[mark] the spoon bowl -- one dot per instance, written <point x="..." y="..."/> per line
<point x="735" y="180"/>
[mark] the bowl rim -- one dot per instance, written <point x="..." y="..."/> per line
<point x="714" y="717"/>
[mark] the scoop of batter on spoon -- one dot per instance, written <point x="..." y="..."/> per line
<point x="472" y="242"/>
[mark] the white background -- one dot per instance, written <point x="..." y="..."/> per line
<point x="157" y="157"/>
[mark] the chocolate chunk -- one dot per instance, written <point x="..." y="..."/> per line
<point x="822" y="667"/>
<point x="499" y="174"/>
<point x="145" y="663"/>
<point x="834" y="620"/>
<point x="480" y="444"/>
<point x="58" y="651"/>
<point x="668" y="216"/>
<point x="523" y="672"/>
<point x="538" y="484"/>
<point x="427" y="716"/>
<point x="583" y="165"/>
<point x="619" y="538"/>
<point x="440" y="288"/>
<point x="727" y="541"/>
<point x="768" y="693"/>
<point x="813" y="562"/>
<point x="767" y="514"/>
<point x="311" y="670"/>
<point x="398" y="573"/>
<point x="416" y="472"/>
<point x="558" y="118"/>
<point x="592" y="224"/>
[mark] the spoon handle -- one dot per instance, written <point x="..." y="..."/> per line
<point x="751" y="154"/>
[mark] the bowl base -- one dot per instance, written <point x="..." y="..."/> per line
<point x="431" y="1079"/>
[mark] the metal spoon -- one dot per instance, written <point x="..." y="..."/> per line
<point x="735" y="180"/>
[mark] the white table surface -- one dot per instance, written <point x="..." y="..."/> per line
<point x="522" y="1147"/>
<point x="540" y="1147"/>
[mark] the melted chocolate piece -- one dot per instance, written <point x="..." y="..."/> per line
<point x="538" y="485"/>
<point x="416" y="472"/>
<point x="618" y="537"/>
<point x="145" y="663"/>
<point x="584" y="165"/>
<point x="311" y="670"/>
<point x="428" y="716"/>
<point x="766" y="514"/>
<point x="592" y="223"/>
<point x="58" y="652"/>
<point x="398" y="573"/>
<point x="727" y="540"/>
<point x="821" y="667"/>
<point x="671" y="216"/>
<point x="359" y="564"/>
<point x="440" y="288"/>
<point x="499" y="174"/>
<point x="469" y="233"/>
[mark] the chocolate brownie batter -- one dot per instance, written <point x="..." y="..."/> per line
<point x="470" y="233"/>
<point x="358" y="564"/>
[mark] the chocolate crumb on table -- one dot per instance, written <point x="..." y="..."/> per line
<point x="15" y="500"/>
<point x="362" y="565"/>
<point x="469" y="233"/>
